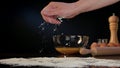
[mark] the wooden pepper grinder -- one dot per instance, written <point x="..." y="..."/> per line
<point x="113" y="26"/>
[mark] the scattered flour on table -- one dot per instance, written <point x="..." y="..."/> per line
<point x="60" y="62"/>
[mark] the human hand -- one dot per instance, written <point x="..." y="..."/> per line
<point x="58" y="9"/>
<point x="69" y="10"/>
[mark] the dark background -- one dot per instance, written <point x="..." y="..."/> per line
<point x="20" y="21"/>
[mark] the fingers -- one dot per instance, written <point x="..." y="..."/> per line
<point x="51" y="19"/>
<point x="51" y="13"/>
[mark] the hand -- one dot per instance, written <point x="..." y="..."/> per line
<point x="69" y="10"/>
<point x="58" y="9"/>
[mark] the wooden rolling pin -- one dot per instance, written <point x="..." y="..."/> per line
<point x="105" y="51"/>
<point x="100" y="51"/>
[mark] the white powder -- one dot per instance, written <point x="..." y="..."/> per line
<point x="60" y="62"/>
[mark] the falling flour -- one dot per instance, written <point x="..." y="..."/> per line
<point x="60" y="62"/>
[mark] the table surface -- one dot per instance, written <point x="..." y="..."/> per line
<point x="30" y="55"/>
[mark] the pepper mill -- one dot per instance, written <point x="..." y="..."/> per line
<point x="113" y="26"/>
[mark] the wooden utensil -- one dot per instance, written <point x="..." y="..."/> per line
<point x="100" y="51"/>
<point x="113" y="26"/>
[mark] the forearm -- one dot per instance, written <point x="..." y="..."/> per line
<point x="89" y="5"/>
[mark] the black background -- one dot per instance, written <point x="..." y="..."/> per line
<point x="20" y="20"/>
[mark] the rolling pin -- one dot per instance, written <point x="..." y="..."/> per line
<point x="105" y="51"/>
<point x="100" y="51"/>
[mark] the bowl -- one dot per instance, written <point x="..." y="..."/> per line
<point x="69" y="44"/>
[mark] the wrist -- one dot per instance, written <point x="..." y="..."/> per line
<point x="76" y="8"/>
<point x="80" y="6"/>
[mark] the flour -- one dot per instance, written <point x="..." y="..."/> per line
<point x="60" y="62"/>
